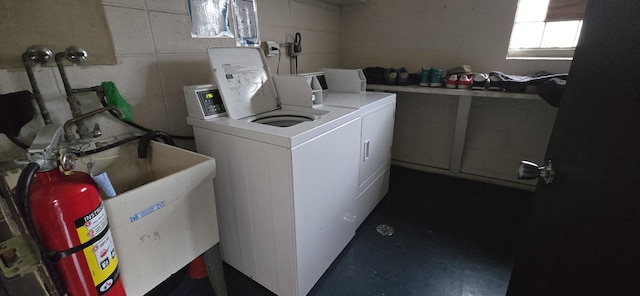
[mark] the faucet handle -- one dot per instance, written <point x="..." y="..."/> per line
<point x="96" y="130"/>
<point x="119" y="112"/>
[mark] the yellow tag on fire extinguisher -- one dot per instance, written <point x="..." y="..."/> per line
<point x="100" y="255"/>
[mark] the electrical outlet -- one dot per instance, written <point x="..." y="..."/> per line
<point x="270" y="48"/>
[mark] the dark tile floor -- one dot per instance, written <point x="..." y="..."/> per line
<point x="451" y="237"/>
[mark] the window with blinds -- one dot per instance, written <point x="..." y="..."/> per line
<point x="546" y="29"/>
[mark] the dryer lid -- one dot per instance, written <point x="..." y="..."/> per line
<point x="244" y="80"/>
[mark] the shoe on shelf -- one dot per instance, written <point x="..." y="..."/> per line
<point x="390" y="76"/>
<point x="403" y="76"/>
<point x="435" y="78"/>
<point x="495" y="83"/>
<point x="464" y="82"/>
<point x="480" y="81"/>
<point x="424" y="77"/>
<point x="452" y="81"/>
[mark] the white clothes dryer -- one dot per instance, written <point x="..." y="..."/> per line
<point x="377" y="111"/>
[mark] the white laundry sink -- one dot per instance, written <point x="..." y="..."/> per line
<point x="164" y="213"/>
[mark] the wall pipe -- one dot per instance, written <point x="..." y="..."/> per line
<point x="75" y="55"/>
<point x="37" y="54"/>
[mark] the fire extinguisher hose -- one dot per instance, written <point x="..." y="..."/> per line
<point x="22" y="191"/>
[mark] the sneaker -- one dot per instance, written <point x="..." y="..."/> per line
<point x="480" y="81"/>
<point x="435" y="78"/>
<point x="495" y="83"/>
<point x="390" y="76"/>
<point x="424" y="77"/>
<point x="403" y="76"/>
<point x="464" y="82"/>
<point x="452" y="82"/>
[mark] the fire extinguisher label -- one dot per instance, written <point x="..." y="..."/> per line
<point x="101" y="254"/>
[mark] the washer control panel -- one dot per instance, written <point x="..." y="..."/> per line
<point x="204" y="101"/>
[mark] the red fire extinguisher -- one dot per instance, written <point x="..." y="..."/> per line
<point x="66" y="213"/>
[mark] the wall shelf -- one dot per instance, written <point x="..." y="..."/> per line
<point x="452" y="92"/>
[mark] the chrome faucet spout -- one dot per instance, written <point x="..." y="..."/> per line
<point x="68" y="133"/>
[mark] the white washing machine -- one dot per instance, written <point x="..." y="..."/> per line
<point x="286" y="176"/>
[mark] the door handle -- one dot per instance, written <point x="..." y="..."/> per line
<point x="530" y="170"/>
<point x="366" y="151"/>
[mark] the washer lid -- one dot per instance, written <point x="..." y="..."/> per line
<point x="243" y="77"/>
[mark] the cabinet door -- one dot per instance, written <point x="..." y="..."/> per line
<point x="377" y="135"/>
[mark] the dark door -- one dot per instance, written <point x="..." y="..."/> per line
<point x="583" y="233"/>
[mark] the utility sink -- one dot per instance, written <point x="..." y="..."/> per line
<point x="164" y="213"/>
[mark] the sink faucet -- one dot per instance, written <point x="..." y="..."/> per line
<point x="68" y="133"/>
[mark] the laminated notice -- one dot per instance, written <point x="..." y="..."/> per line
<point x="209" y="18"/>
<point x="246" y="23"/>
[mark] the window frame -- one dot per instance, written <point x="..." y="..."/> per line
<point x="555" y="53"/>
<point x="539" y="52"/>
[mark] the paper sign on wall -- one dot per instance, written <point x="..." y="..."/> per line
<point x="246" y="23"/>
<point x="209" y="18"/>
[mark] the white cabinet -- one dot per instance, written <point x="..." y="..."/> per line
<point x="471" y="134"/>
<point x="375" y="159"/>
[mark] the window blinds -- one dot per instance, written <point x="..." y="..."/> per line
<point x="564" y="10"/>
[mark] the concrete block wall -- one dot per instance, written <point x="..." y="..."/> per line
<point x="157" y="57"/>
<point x="435" y="33"/>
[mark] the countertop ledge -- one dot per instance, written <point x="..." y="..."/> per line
<point x="452" y="92"/>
